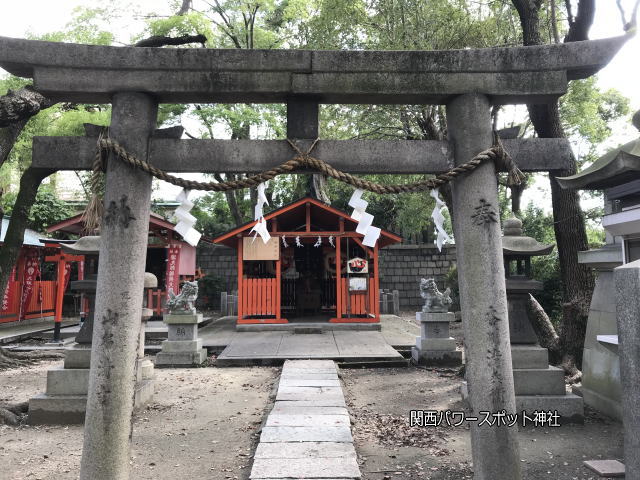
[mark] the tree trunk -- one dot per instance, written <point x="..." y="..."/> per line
<point x="29" y="183"/>
<point x="569" y="226"/>
<point x="8" y="137"/>
<point x="21" y="104"/>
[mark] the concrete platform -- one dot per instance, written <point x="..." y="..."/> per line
<point x="15" y="331"/>
<point x="273" y="348"/>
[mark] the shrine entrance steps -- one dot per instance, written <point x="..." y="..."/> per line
<point x="274" y="347"/>
<point x="308" y="432"/>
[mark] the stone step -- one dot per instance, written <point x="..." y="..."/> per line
<point x="305" y="450"/>
<point x="289" y="468"/>
<point x="69" y="381"/>
<point x="57" y="410"/>
<point x="306" y="434"/>
<point x="276" y="420"/>
<point x="529" y="356"/>
<point x="539" y="381"/>
<point x="293" y="408"/>
<point x="570" y="407"/>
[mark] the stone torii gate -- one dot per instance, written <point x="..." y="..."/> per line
<point x="135" y="80"/>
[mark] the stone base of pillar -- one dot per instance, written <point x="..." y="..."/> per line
<point x="436" y="358"/>
<point x="65" y="399"/>
<point x="182" y="348"/>
<point x="541" y="387"/>
<point x="434" y="346"/>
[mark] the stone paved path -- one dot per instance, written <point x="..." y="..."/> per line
<point x="308" y="433"/>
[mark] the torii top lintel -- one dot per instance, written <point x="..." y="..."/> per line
<point x="90" y="73"/>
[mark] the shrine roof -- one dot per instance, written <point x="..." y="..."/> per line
<point x="30" y="238"/>
<point x="75" y="224"/>
<point x="616" y="167"/>
<point x="295" y="212"/>
<point x="92" y="73"/>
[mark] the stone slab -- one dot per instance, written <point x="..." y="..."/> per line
<point x="181" y="346"/>
<point x="305" y="450"/>
<point x="184" y="359"/>
<point x="77" y="356"/>
<point x="444" y="358"/>
<point x="306" y="371"/>
<point x="307" y="468"/>
<point x="251" y="344"/>
<point x="275" y="420"/>
<point x="288" y="375"/>
<point x="448" y="344"/>
<point x="438" y="317"/>
<point x="321" y="345"/>
<point x="61" y="381"/>
<point x="570" y="407"/>
<point x="333" y="401"/>
<point x="289" y="382"/>
<point x="364" y="345"/>
<point x="606" y="468"/>
<point x="57" y="410"/>
<point x="310" y="364"/>
<point x="293" y="408"/>
<point x="306" y="434"/>
<point x="175" y="319"/>
<point x="529" y="356"/>
<point x="539" y="381"/>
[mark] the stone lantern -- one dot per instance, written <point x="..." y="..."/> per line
<point x="538" y="386"/>
<point x="65" y="398"/>
<point x="518" y="251"/>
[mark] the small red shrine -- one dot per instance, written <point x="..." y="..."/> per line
<point x="293" y="277"/>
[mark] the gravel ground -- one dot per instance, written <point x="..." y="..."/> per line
<point x="379" y="401"/>
<point x="202" y="423"/>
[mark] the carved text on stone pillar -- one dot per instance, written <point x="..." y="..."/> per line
<point x="119" y="214"/>
<point x="484" y="213"/>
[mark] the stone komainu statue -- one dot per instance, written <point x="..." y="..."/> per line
<point x="185" y="301"/>
<point x="434" y="300"/>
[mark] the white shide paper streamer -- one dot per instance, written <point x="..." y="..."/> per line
<point x="260" y="228"/>
<point x="186" y="221"/>
<point x="438" y="220"/>
<point x="365" y="220"/>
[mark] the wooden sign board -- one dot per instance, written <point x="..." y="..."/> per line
<point x="258" y="250"/>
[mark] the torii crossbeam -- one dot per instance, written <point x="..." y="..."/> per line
<point x="136" y="79"/>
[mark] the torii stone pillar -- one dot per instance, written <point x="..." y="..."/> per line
<point x="482" y="291"/>
<point x="627" y="280"/>
<point x="124" y="233"/>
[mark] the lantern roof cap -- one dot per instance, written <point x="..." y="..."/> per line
<point x="515" y="243"/>
<point x="89" y="245"/>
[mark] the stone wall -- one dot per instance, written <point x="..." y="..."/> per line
<point x="401" y="268"/>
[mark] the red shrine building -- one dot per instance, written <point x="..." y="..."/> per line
<point x="169" y="257"/>
<point x="294" y="277"/>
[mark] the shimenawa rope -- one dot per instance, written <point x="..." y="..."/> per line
<point x="302" y="160"/>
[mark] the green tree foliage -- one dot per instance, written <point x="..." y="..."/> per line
<point x="46" y="210"/>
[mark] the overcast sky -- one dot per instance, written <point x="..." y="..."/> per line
<point x="43" y="16"/>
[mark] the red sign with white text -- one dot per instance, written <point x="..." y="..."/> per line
<point x="172" y="278"/>
<point x="9" y="292"/>
<point x="31" y="272"/>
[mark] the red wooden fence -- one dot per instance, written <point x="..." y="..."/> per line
<point x="34" y="308"/>
<point x="259" y="296"/>
<point x="358" y="300"/>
